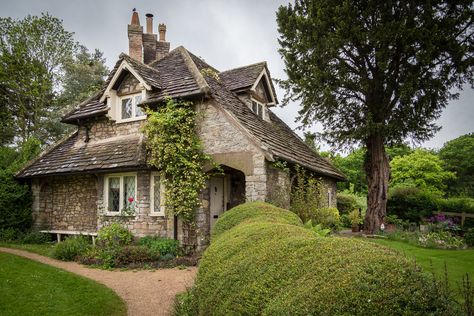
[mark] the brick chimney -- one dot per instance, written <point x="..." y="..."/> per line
<point x="149" y="41"/>
<point x="135" y="42"/>
<point x="162" y="46"/>
<point x="145" y="47"/>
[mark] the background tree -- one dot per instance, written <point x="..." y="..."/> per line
<point x="33" y="52"/>
<point x="83" y="76"/>
<point x="458" y="156"/>
<point x="375" y="73"/>
<point x="421" y="169"/>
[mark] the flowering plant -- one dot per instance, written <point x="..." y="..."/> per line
<point x="129" y="208"/>
<point x="440" y="223"/>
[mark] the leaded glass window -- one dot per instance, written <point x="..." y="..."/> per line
<point x="138" y="110"/>
<point x="126" y="108"/>
<point x="129" y="191"/>
<point x="114" y="194"/>
<point x="156" y="194"/>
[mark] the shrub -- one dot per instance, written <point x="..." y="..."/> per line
<point x="134" y="255"/>
<point x="411" y="204"/>
<point x="469" y="237"/>
<point x="9" y="234"/>
<point x="71" y="248"/>
<point x="113" y="236"/>
<point x="456" y="205"/>
<point x="328" y="217"/>
<point x="35" y="237"/>
<point x="441" y="239"/>
<point x="253" y="211"/>
<point x="346" y="203"/>
<point x="276" y="268"/>
<point x="160" y="246"/>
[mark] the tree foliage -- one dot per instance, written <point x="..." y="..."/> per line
<point x="176" y="151"/>
<point x="15" y="198"/>
<point x="421" y="169"/>
<point x="33" y="52"/>
<point x="458" y="156"/>
<point x="375" y="73"/>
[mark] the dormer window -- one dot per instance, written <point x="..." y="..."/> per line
<point x="129" y="108"/>
<point x="258" y="108"/>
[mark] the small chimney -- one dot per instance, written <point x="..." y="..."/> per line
<point x="135" y="41"/>
<point x="162" y="32"/>
<point x="149" y="23"/>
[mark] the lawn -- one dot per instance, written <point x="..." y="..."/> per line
<point x="458" y="262"/>
<point x="41" y="249"/>
<point x="32" y="288"/>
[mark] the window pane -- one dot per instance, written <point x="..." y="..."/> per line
<point x="114" y="194"/>
<point x="126" y="108"/>
<point x="138" y="110"/>
<point x="254" y="107"/>
<point x="129" y="191"/>
<point x="156" y="194"/>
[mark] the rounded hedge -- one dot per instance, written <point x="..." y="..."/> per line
<point x="274" y="268"/>
<point x="251" y="212"/>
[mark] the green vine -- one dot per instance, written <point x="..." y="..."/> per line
<point x="176" y="150"/>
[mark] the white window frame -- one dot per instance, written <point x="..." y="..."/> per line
<point x="134" y="107"/>
<point x="106" y="191"/>
<point x="152" y="195"/>
<point x="262" y="109"/>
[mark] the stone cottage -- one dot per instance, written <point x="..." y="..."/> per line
<point x="84" y="181"/>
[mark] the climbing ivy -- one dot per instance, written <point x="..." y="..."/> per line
<point x="176" y="150"/>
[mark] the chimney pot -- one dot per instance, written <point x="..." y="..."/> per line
<point x="162" y="32"/>
<point x="149" y="23"/>
<point x="135" y="19"/>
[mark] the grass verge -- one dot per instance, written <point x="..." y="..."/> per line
<point x="33" y="288"/>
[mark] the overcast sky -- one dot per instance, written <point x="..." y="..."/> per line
<point x="227" y="34"/>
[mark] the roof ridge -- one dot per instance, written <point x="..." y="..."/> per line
<point x="245" y="66"/>
<point x="139" y="62"/>
<point x="193" y="69"/>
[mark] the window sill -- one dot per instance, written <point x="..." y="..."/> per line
<point x="110" y="214"/>
<point x="129" y="120"/>
<point x="157" y="215"/>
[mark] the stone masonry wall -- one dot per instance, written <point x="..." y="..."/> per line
<point x="65" y="203"/>
<point x="278" y="187"/>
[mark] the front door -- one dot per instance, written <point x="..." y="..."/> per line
<point x="217" y="198"/>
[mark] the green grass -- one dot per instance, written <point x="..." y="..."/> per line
<point x="32" y="288"/>
<point x="42" y="249"/>
<point x="458" y="262"/>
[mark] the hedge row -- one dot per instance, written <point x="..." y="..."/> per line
<point x="263" y="262"/>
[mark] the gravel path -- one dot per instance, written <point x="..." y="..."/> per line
<point x="144" y="292"/>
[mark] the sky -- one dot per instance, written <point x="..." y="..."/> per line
<point x="226" y="34"/>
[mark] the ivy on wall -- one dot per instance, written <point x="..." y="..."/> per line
<point x="176" y="150"/>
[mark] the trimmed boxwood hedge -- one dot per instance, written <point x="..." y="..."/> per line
<point x="251" y="212"/>
<point x="276" y="267"/>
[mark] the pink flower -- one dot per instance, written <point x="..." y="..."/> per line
<point x="130" y="199"/>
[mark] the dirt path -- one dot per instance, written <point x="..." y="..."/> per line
<point x="144" y="292"/>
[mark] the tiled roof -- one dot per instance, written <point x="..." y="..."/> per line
<point x="93" y="107"/>
<point x="275" y="135"/>
<point x="72" y="156"/>
<point x="180" y="74"/>
<point x="242" y="77"/>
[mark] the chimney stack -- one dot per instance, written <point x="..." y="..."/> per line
<point x="162" y="32"/>
<point x="135" y="42"/>
<point x="149" y="23"/>
<point x="145" y="47"/>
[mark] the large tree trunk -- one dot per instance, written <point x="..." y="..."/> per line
<point x="377" y="170"/>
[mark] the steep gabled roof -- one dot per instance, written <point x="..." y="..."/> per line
<point x="275" y="135"/>
<point x="242" y="77"/>
<point x="180" y="74"/>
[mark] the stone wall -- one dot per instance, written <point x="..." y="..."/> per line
<point x="278" y="187"/>
<point x="329" y="192"/>
<point x="65" y="203"/>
